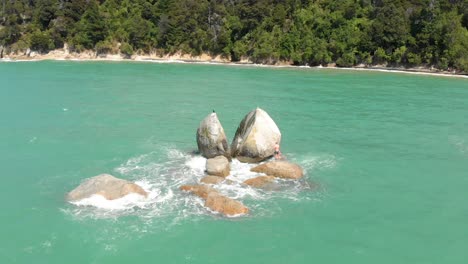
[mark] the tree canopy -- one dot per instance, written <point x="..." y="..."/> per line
<point x="306" y="32"/>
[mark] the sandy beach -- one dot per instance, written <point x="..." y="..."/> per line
<point x="64" y="54"/>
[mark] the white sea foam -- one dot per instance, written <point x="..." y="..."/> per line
<point x="241" y="171"/>
<point x="196" y="165"/>
<point x="126" y="202"/>
<point x="162" y="175"/>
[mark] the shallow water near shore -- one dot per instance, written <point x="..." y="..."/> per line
<point x="385" y="155"/>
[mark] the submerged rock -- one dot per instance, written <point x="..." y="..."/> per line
<point x="212" y="179"/>
<point x="199" y="190"/>
<point x="225" y="205"/>
<point x="255" y="137"/>
<point x="216" y="201"/>
<point x="211" y="139"/>
<point x="260" y="181"/>
<point x="218" y="166"/>
<point x="281" y="169"/>
<point x="106" y="185"/>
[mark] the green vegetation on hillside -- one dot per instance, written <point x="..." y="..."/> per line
<point x="306" y="32"/>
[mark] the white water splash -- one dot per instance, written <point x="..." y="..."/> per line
<point x="126" y="202"/>
<point x="162" y="175"/>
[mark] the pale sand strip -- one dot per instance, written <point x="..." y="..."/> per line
<point x="61" y="55"/>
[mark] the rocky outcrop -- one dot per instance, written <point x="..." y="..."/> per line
<point x="260" y="181"/>
<point x="281" y="169"/>
<point x="218" y="166"/>
<point x="216" y="201"/>
<point x="1" y="52"/>
<point x="106" y="185"/>
<point x="255" y="137"/>
<point x="211" y="179"/>
<point x="211" y="139"/>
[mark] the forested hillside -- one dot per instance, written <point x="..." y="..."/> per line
<point x="307" y="32"/>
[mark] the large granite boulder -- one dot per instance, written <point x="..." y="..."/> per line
<point x="216" y="201"/>
<point x="281" y="169"/>
<point x="106" y="185"/>
<point x="260" y="181"/>
<point x="218" y="166"/>
<point x="211" y="139"/>
<point x="211" y="179"/>
<point x="255" y="137"/>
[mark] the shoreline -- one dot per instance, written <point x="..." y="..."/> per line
<point x="61" y="55"/>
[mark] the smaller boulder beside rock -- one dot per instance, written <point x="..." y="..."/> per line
<point x="212" y="179"/>
<point x="218" y="166"/>
<point x="281" y="169"/>
<point x="199" y="190"/>
<point x="216" y="201"/>
<point x="225" y="205"/>
<point x="260" y="181"/>
<point x="107" y="186"/>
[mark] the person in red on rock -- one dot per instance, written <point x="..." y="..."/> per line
<point x="277" y="151"/>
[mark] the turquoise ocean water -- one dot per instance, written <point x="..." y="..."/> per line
<point x="385" y="154"/>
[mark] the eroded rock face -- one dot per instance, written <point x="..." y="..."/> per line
<point x="216" y="201"/>
<point x="212" y="179"/>
<point x="281" y="169"/>
<point x="211" y="139"/>
<point x="218" y="166"/>
<point x="260" y="181"/>
<point x="106" y="185"/>
<point x="255" y="137"/>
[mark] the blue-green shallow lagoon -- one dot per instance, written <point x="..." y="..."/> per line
<point x="388" y="152"/>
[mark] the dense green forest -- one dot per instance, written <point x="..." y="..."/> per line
<point x="306" y="32"/>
